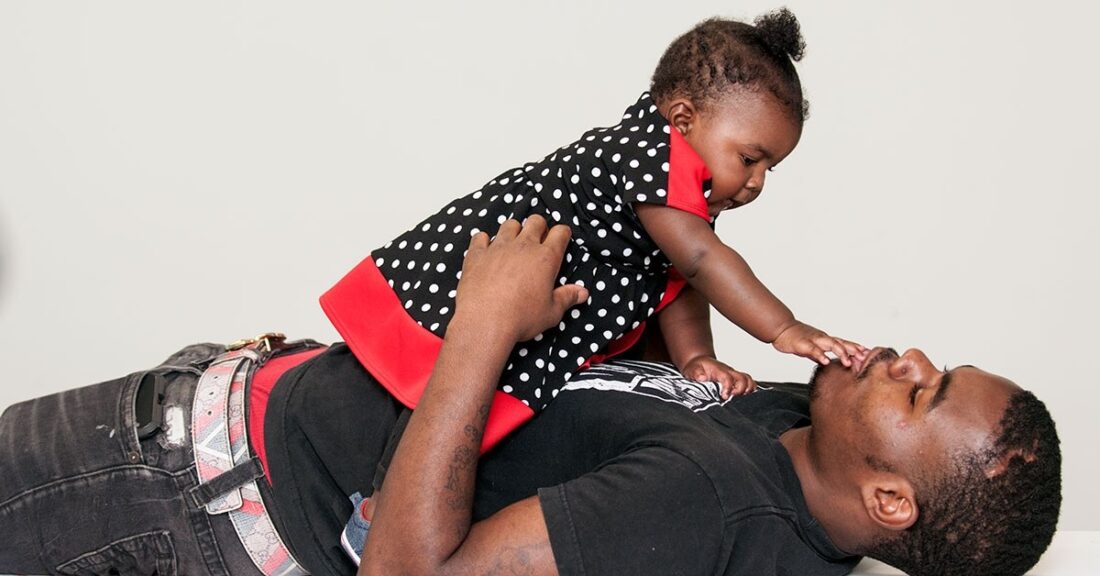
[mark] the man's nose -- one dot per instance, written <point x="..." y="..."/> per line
<point x="913" y="367"/>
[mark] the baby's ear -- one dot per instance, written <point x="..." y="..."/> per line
<point x="681" y="114"/>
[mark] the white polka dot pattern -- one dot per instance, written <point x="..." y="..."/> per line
<point x="589" y="185"/>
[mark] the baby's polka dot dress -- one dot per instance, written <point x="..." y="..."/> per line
<point x="393" y="308"/>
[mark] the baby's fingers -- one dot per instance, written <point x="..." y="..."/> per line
<point x="698" y="374"/>
<point x="848" y="348"/>
<point x="837" y="347"/>
<point x="852" y="349"/>
<point x="748" y="384"/>
<point x="727" y="384"/>
<point x="740" y="384"/>
<point x="814" y="352"/>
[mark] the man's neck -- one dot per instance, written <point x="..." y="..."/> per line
<point x="823" y="501"/>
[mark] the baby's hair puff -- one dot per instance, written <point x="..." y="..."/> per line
<point x="718" y="54"/>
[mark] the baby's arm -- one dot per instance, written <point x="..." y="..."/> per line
<point x="685" y="325"/>
<point x="726" y="281"/>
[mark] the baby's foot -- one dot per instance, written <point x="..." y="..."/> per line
<point x="354" y="536"/>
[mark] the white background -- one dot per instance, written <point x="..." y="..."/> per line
<point x="177" y="172"/>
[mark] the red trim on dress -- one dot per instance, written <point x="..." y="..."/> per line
<point x="686" y="174"/>
<point x="396" y="350"/>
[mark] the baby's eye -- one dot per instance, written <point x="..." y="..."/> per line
<point x="749" y="161"/>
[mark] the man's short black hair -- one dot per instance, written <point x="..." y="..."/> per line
<point x="996" y="513"/>
<point x="718" y="54"/>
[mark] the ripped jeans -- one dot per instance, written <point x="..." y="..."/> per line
<point x="80" y="494"/>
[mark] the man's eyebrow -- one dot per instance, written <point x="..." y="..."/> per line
<point x="941" y="392"/>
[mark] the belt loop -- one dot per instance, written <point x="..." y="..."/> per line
<point x="238" y="476"/>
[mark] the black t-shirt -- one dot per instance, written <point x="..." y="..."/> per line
<point x="637" y="470"/>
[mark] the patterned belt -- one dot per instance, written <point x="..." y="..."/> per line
<point x="227" y="472"/>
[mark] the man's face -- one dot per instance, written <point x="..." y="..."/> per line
<point x="902" y="413"/>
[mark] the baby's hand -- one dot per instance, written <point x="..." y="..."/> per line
<point x="709" y="369"/>
<point x="809" y="342"/>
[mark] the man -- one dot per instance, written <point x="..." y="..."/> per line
<point x="935" y="472"/>
<point x="630" y="471"/>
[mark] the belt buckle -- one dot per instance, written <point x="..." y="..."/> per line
<point x="266" y="342"/>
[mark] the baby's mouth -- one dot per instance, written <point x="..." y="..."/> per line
<point x="719" y="207"/>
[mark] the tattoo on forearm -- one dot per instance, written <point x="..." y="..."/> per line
<point x="459" y="503"/>
<point x="473" y="432"/>
<point x="464" y="458"/>
<point x="516" y="560"/>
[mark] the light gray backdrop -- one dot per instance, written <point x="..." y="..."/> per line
<point x="176" y="172"/>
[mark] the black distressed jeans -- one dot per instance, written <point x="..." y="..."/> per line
<point x="80" y="494"/>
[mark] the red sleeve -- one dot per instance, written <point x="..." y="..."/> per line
<point x="667" y="172"/>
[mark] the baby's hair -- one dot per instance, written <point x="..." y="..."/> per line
<point x="718" y="54"/>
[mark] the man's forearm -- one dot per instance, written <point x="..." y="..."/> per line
<point x="507" y="294"/>
<point x="433" y="471"/>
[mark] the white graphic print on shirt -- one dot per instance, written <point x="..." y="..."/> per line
<point x="661" y="381"/>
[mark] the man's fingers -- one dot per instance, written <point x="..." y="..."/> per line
<point x="509" y="229"/>
<point x="568" y="296"/>
<point x="479" y="241"/>
<point x="558" y="239"/>
<point x="563" y="298"/>
<point x="534" y="227"/>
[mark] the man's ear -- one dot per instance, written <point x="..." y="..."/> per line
<point x="888" y="499"/>
<point x="682" y="114"/>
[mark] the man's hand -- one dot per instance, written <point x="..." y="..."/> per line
<point x="510" y="280"/>
<point x="422" y="524"/>
<point x="709" y="369"/>
<point x="809" y="342"/>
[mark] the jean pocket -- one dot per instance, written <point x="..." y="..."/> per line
<point x="151" y="553"/>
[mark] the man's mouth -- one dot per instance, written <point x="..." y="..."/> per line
<point x="873" y="357"/>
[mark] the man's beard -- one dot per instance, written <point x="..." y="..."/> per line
<point x="883" y="355"/>
<point x="814" y="390"/>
